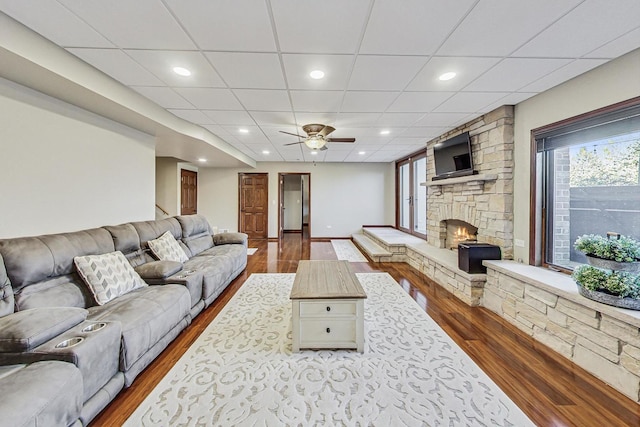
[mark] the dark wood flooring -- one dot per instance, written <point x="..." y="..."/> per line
<point x="551" y="390"/>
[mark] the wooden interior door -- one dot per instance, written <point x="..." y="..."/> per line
<point x="188" y="192"/>
<point x="254" y="204"/>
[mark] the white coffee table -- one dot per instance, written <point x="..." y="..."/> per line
<point x="328" y="307"/>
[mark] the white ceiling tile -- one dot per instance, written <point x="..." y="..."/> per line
<point x="163" y="96"/>
<point x="323" y="118"/>
<point x="230" y="117"/>
<point x="581" y="31"/>
<point x="469" y="102"/>
<point x="218" y="130"/>
<point x="161" y="64"/>
<point x="467" y="69"/>
<point x="316" y="101"/>
<point x="618" y="47"/>
<point x="563" y="74"/>
<point x="226" y="25"/>
<point x="336" y="70"/>
<point x="194" y="116"/>
<point x="499" y="27"/>
<point x="398" y="119"/>
<point x="511" y="99"/>
<point x="140" y="24"/>
<point x="384" y="72"/>
<point x="273" y="118"/>
<point x="367" y="101"/>
<point x="263" y="100"/>
<point x="118" y="65"/>
<point x="252" y="137"/>
<point x="54" y="22"/>
<point x="446" y="120"/>
<point x="423" y="102"/>
<point x="329" y="26"/>
<point x="513" y="74"/>
<point x="411" y="27"/>
<point x="248" y="70"/>
<point x="209" y="98"/>
<point x="335" y="156"/>
<point x="424" y="132"/>
<point x="356" y="119"/>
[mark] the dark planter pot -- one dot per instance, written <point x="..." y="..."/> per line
<point x="628" y="267"/>
<point x="605" y="298"/>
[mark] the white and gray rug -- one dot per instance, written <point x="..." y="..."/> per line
<point x="241" y="371"/>
<point x="347" y="251"/>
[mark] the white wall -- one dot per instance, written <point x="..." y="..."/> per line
<point x="612" y="82"/>
<point x="167" y="185"/>
<point x="344" y="196"/>
<point x="65" y="169"/>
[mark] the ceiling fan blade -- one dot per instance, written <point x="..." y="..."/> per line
<point x="294" y="143"/>
<point x="294" y="134"/>
<point x="323" y="148"/>
<point x="341" y="140"/>
<point x="326" y="130"/>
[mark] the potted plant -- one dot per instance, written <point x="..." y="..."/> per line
<point x="610" y="276"/>
<point x="614" y="252"/>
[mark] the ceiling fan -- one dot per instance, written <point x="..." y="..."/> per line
<point x="316" y="138"/>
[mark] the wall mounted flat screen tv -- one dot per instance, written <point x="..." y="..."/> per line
<point x="453" y="157"/>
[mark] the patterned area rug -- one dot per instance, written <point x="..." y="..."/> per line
<point x="347" y="251"/>
<point x="241" y="372"/>
<point x="251" y="251"/>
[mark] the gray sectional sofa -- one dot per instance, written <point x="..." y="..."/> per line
<point x="48" y="313"/>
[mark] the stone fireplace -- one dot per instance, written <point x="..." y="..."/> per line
<point x="481" y="202"/>
<point x="458" y="232"/>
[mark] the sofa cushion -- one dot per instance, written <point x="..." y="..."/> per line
<point x="149" y="230"/>
<point x="166" y="248"/>
<point x="34" y="259"/>
<point x="108" y="276"/>
<point x="146" y="315"/>
<point x="24" y="330"/>
<point x="230" y="238"/>
<point x="196" y="233"/>
<point x="125" y="238"/>
<point x="42" y="394"/>
<point x="7" y="303"/>
<point x="158" y="269"/>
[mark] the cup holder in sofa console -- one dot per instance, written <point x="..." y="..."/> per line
<point x="70" y="342"/>
<point x="94" y="327"/>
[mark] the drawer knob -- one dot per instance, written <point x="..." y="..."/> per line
<point x="328" y="330"/>
<point x="328" y="308"/>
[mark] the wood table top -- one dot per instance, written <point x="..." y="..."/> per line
<point x="325" y="280"/>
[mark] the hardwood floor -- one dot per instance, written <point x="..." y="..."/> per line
<point x="551" y="390"/>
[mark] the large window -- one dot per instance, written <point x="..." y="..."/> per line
<point x="411" y="196"/>
<point x="587" y="181"/>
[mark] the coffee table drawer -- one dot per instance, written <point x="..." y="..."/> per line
<point x="327" y="308"/>
<point x="327" y="331"/>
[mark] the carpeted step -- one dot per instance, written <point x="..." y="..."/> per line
<point x="373" y="250"/>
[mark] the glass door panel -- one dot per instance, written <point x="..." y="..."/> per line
<point x="404" y="194"/>
<point x="420" y="197"/>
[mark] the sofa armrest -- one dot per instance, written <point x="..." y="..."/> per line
<point x="158" y="269"/>
<point x="230" y="238"/>
<point x="24" y="330"/>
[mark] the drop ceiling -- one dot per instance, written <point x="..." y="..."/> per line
<point x="250" y="62"/>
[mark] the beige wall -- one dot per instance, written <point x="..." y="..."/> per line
<point x="612" y="82"/>
<point x="344" y="196"/>
<point x="64" y="169"/>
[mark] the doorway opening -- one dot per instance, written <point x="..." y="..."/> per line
<point x="294" y="194"/>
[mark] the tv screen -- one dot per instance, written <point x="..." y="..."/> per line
<point x="453" y="157"/>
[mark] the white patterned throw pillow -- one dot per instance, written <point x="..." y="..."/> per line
<point x="167" y="248"/>
<point x="108" y="276"/>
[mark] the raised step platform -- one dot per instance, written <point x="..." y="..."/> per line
<point x="374" y="251"/>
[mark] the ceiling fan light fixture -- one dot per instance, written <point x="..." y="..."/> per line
<point x="315" y="142"/>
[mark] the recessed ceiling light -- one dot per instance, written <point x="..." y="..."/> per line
<point x="314" y="152"/>
<point x="385" y="132"/>
<point x="181" y="71"/>
<point x="202" y="160"/>
<point x="243" y="130"/>
<point x="266" y="152"/>
<point x="447" y="76"/>
<point x="316" y="74"/>
<point x="362" y="152"/>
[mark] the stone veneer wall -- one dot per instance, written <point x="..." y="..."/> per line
<point x="583" y="331"/>
<point x="488" y="207"/>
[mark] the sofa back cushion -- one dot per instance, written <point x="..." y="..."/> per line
<point x="196" y="233"/>
<point x="167" y="248"/>
<point x="6" y="292"/>
<point x="30" y="260"/>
